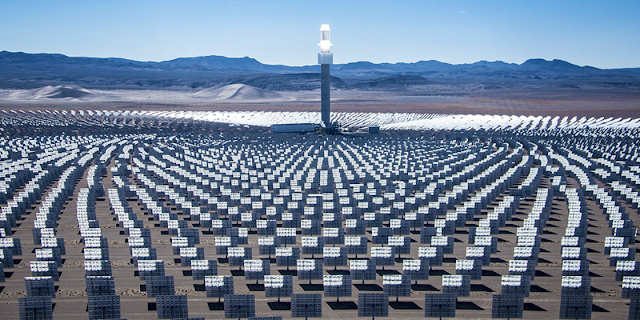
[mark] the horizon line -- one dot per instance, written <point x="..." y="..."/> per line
<point x="309" y="65"/>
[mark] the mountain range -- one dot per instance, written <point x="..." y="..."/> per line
<point x="27" y="71"/>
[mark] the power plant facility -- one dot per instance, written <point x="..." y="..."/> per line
<point x="211" y="187"/>
<point x="325" y="60"/>
<point x="295" y="127"/>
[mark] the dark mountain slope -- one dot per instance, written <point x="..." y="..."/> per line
<point x="24" y="70"/>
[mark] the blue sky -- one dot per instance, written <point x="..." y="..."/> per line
<point x="604" y="34"/>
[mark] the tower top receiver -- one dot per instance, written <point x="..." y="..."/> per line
<point x="325" y="56"/>
<point x="325" y="39"/>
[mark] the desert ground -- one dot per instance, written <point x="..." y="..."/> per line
<point x="546" y="101"/>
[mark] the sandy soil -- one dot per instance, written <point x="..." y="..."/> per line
<point x="567" y="102"/>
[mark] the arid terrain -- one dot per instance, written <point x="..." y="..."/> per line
<point x="550" y="102"/>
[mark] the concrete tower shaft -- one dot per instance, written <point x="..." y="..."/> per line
<point x="325" y="95"/>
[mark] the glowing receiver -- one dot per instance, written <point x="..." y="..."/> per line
<point x="325" y="56"/>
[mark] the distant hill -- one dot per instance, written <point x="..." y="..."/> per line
<point x="241" y="92"/>
<point x="28" y="71"/>
<point x="281" y="82"/>
<point x="57" y="92"/>
<point x="62" y="92"/>
<point x="397" y="82"/>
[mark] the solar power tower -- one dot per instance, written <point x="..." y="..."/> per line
<point x="325" y="59"/>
